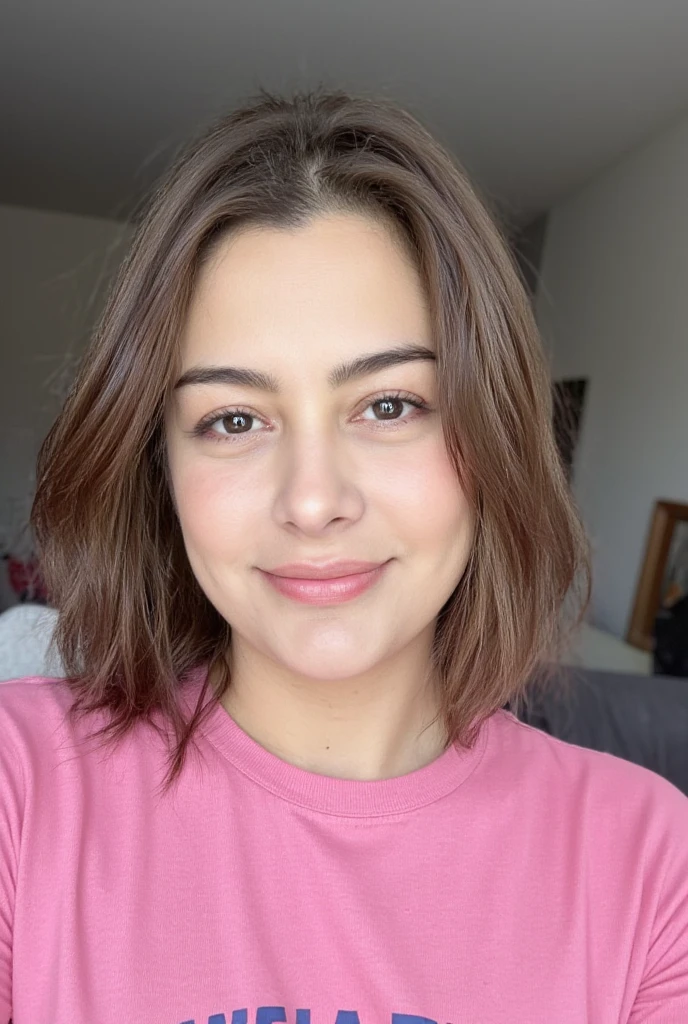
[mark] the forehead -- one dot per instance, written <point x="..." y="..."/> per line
<point x="335" y="285"/>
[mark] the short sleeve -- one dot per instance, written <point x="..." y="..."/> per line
<point x="662" y="996"/>
<point x="11" y="812"/>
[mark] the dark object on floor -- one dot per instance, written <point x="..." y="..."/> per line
<point x="643" y="719"/>
<point x="671" y="640"/>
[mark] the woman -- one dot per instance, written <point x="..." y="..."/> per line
<point x="304" y="521"/>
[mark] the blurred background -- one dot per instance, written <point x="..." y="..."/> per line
<point x="570" y="115"/>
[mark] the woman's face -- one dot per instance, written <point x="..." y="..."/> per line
<point x="303" y="433"/>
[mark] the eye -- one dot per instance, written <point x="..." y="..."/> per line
<point x="390" y="407"/>
<point x="235" y="424"/>
<point x="230" y="423"/>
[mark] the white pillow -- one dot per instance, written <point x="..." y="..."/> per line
<point x="25" y="634"/>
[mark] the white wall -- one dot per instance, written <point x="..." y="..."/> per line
<point x="613" y="306"/>
<point x="54" y="274"/>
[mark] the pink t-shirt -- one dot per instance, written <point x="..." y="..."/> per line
<point x="526" y="881"/>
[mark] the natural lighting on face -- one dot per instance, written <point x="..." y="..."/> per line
<point x="321" y="513"/>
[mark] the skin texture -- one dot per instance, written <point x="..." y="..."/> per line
<point x="321" y="473"/>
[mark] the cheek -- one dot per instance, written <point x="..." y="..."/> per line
<point x="423" y="493"/>
<point x="217" y="510"/>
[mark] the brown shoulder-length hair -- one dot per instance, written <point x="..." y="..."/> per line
<point x="133" y="620"/>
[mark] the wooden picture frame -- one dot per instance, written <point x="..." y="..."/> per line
<point x="649" y="591"/>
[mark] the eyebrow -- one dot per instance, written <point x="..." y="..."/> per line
<point x="362" y="366"/>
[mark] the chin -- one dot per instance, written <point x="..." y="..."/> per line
<point x="329" y="662"/>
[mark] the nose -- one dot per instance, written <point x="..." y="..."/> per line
<point x="318" y="491"/>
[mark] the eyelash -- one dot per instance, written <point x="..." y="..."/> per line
<point x="202" y="428"/>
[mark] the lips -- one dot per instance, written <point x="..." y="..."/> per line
<point x="328" y="571"/>
<point x="328" y="584"/>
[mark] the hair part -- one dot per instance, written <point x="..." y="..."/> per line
<point x="133" y="620"/>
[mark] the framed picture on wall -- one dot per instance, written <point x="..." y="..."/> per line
<point x="663" y="579"/>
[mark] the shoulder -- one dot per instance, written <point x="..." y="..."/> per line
<point x="33" y="708"/>
<point x="48" y="753"/>
<point x="33" y="713"/>
<point x="35" y="728"/>
<point x="602" y="790"/>
<point x="43" y="741"/>
<point x="621" y="833"/>
<point x="31" y="699"/>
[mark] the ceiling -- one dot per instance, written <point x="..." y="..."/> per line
<point x="534" y="96"/>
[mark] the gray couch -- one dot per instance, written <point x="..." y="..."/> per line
<point x="640" y="718"/>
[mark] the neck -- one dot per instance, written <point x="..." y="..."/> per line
<point x="369" y="727"/>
